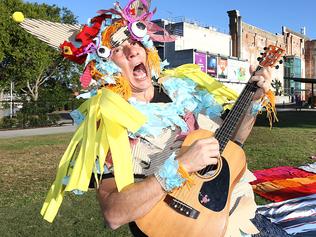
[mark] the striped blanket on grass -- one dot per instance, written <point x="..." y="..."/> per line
<point x="296" y="216"/>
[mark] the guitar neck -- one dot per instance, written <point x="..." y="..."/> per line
<point x="230" y="123"/>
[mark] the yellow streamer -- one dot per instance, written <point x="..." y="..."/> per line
<point x="115" y="116"/>
<point x="56" y="193"/>
<point x="82" y="170"/>
<point x="117" y="119"/>
<point x="268" y="102"/>
<point x="222" y="94"/>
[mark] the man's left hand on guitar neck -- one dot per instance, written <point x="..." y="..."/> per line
<point x="263" y="77"/>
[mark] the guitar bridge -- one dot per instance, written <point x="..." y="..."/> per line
<point x="181" y="207"/>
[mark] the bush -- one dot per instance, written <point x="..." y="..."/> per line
<point x="38" y="114"/>
<point x="7" y="123"/>
<point x="35" y="114"/>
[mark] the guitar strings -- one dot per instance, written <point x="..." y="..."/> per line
<point x="224" y="133"/>
<point x="240" y="106"/>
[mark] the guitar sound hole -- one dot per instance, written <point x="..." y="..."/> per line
<point x="208" y="171"/>
<point x="211" y="171"/>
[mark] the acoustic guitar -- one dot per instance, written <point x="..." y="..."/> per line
<point x="203" y="209"/>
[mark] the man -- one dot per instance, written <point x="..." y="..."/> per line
<point x="137" y="199"/>
<point x="122" y="207"/>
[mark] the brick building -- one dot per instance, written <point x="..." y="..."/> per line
<point x="310" y="62"/>
<point x="310" y="58"/>
<point x="295" y="61"/>
<point x="248" y="41"/>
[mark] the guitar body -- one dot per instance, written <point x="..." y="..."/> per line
<point x="203" y="209"/>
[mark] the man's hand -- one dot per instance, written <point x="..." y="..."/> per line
<point x="200" y="154"/>
<point x="263" y="78"/>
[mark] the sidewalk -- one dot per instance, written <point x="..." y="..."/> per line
<point x="37" y="131"/>
<point x="293" y="107"/>
<point x="280" y="109"/>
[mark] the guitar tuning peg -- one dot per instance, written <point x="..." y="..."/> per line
<point x="281" y="61"/>
<point x="259" y="59"/>
<point x="277" y="67"/>
<point x="265" y="48"/>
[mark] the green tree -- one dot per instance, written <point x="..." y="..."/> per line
<point x="24" y="59"/>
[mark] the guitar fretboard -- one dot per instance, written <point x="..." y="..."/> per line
<point x="228" y="128"/>
<point x="230" y="123"/>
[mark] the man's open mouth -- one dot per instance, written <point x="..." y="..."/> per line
<point x="140" y="72"/>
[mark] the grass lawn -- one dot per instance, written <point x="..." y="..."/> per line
<point x="28" y="167"/>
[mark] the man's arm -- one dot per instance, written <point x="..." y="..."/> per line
<point x="133" y="202"/>
<point x="245" y="127"/>
<point x="263" y="79"/>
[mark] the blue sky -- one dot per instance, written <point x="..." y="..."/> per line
<point x="269" y="15"/>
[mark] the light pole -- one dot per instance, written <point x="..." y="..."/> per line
<point x="11" y="99"/>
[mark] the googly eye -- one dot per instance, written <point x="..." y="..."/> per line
<point x="103" y="52"/>
<point x="139" y="29"/>
<point x="67" y="50"/>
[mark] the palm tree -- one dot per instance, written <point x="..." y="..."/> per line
<point x="277" y="85"/>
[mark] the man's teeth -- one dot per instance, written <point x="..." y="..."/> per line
<point x="140" y="76"/>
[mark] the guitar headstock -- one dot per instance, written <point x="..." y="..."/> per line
<point x="271" y="56"/>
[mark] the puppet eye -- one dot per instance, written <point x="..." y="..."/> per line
<point x="67" y="50"/>
<point x="103" y="52"/>
<point x="139" y="29"/>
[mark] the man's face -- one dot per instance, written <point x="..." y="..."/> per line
<point x="131" y="57"/>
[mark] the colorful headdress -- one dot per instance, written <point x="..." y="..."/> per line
<point x="93" y="44"/>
